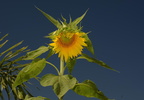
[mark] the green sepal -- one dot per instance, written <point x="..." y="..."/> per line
<point x="50" y="18"/>
<point x="50" y="53"/>
<point x="78" y="20"/>
<point x="89" y="44"/>
<point x="89" y="89"/>
<point x="35" y="53"/>
<point x="70" y="64"/>
<point x="30" y="71"/>
<point x="99" y="62"/>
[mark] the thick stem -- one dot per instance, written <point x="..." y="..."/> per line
<point x="61" y="67"/>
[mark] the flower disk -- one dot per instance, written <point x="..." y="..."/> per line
<point x="68" y="45"/>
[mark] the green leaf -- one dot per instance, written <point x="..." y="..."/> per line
<point x="63" y="84"/>
<point x="35" y="53"/>
<point x="11" y="48"/>
<point x="76" y="21"/>
<point x="89" y="89"/>
<point x="30" y="71"/>
<point x="1" y="45"/>
<point x="48" y="80"/>
<point x="101" y="63"/>
<point x="35" y="98"/>
<point x="54" y="21"/>
<point x="89" y="44"/>
<point x="50" y="53"/>
<point x="70" y="65"/>
<point x="11" y="55"/>
<point x="3" y="37"/>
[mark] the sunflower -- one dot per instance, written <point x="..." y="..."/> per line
<point x="68" y="45"/>
<point x="68" y="40"/>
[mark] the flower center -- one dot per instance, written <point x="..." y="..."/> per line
<point x="67" y="39"/>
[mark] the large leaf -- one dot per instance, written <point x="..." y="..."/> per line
<point x="63" y="84"/>
<point x="54" y="21"/>
<point x="30" y="71"/>
<point x="89" y="89"/>
<point x="48" y="80"/>
<point x="99" y="62"/>
<point x="35" y="53"/>
<point x="35" y="98"/>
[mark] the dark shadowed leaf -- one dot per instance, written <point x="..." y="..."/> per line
<point x="89" y="44"/>
<point x="70" y="64"/>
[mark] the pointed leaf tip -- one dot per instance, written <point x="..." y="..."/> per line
<point x="50" y="18"/>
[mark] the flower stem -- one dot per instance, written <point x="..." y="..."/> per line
<point x="61" y="67"/>
<point x="53" y="67"/>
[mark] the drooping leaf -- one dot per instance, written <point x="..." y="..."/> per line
<point x="30" y="71"/>
<point x="35" y="53"/>
<point x="50" y="18"/>
<point x="99" y="62"/>
<point x="48" y="80"/>
<point x="63" y="84"/>
<point x="89" y="89"/>
<point x="70" y="65"/>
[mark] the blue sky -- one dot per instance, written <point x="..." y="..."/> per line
<point x="116" y="32"/>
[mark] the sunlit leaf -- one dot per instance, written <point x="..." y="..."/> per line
<point x="48" y="80"/>
<point x="35" y="98"/>
<point x="63" y="84"/>
<point x="89" y="89"/>
<point x="30" y="71"/>
<point x="35" y="53"/>
<point x="99" y="62"/>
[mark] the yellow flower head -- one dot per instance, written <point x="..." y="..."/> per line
<point x="68" y="40"/>
<point x="68" y="45"/>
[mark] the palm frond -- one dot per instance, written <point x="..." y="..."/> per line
<point x="10" y="64"/>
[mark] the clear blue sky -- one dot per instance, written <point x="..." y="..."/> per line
<point x="117" y="33"/>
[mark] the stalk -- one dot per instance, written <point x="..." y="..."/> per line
<point x="62" y="68"/>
